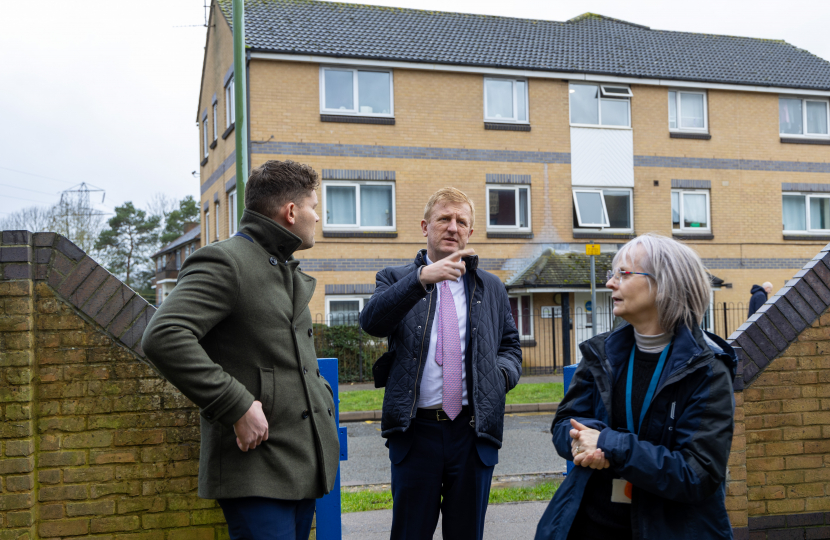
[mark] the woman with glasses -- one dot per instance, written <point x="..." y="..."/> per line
<point x="648" y="416"/>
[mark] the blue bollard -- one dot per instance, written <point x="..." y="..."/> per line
<point x="328" y="508"/>
<point x="569" y="371"/>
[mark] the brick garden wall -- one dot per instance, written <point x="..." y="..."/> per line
<point x="780" y="462"/>
<point x="93" y="442"/>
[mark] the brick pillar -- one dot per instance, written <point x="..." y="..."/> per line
<point x="17" y="490"/>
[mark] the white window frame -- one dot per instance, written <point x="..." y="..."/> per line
<point x="515" y="188"/>
<point x="215" y="120"/>
<point x="617" y="97"/>
<point x="216" y="217"/>
<point x="591" y="227"/>
<point x="677" y="101"/>
<point x="701" y="230"/>
<point x="343" y="298"/>
<point x="207" y="227"/>
<point x="807" y="197"/>
<point x="357" y="226"/>
<point x="806" y="135"/>
<point x="515" y="119"/>
<point x="232" y="225"/>
<point x="205" y="135"/>
<point x="605" y="90"/>
<point x="355" y="111"/>
<point x="519" y="322"/>
<point x="230" y="112"/>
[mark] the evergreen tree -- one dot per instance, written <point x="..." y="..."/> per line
<point x="188" y="211"/>
<point x="127" y="244"/>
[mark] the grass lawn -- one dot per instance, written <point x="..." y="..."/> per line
<point x="372" y="400"/>
<point x="361" y="501"/>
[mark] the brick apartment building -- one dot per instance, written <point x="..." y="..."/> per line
<point x="168" y="260"/>
<point x="592" y="130"/>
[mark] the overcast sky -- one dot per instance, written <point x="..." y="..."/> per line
<point x="105" y="91"/>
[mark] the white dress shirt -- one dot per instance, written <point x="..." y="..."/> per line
<point x="432" y="382"/>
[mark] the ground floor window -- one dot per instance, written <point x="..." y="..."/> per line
<point x="522" y="309"/>
<point x="343" y="310"/>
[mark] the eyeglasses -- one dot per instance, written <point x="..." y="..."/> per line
<point x="619" y="274"/>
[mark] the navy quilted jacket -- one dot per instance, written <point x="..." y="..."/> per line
<point x="402" y="311"/>
<point x="677" y="464"/>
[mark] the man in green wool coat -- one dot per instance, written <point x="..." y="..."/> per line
<point x="235" y="337"/>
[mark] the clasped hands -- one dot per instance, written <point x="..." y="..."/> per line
<point x="584" y="447"/>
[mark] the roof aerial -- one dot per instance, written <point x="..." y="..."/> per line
<point x="587" y="44"/>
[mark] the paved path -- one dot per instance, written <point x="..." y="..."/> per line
<point x="527" y="450"/>
<point x="349" y="387"/>
<point x="512" y="521"/>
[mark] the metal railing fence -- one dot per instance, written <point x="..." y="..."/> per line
<point x="339" y="335"/>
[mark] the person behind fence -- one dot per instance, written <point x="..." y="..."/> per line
<point x="648" y="417"/>
<point x="759" y="297"/>
<point x="453" y="355"/>
<point x="235" y="336"/>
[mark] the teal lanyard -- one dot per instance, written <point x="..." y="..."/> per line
<point x="629" y="414"/>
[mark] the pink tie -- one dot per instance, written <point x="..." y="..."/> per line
<point x="448" y="352"/>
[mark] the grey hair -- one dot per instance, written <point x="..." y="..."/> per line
<point x="683" y="285"/>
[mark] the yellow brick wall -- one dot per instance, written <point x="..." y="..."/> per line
<point x="218" y="58"/>
<point x="788" y="429"/>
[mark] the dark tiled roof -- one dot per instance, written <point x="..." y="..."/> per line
<point x="565" y="270"/>
<point x="189" y="236"/>
<point x="586" y="44"/>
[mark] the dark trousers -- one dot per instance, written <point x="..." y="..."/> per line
<point x="258" y="518"/>
<point x="440" y="472"/>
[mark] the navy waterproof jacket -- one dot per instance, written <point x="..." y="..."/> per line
<point x="403" y="311"/>
<point x="677" y="464"/>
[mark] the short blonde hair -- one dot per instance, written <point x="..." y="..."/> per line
<point x="450" y="194"/>
<point x="683" y="284"/>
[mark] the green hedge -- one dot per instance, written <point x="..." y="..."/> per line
<point x="349" y="344"/>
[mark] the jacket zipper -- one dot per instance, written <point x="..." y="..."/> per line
<point x="420" y="356"/>
<point x="472" y="370"/>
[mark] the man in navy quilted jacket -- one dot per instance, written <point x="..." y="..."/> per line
<point x="453" y="355"/>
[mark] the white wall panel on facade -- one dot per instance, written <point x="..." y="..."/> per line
<point x="602" y="157"/>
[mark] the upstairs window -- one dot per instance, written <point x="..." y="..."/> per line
<point x="359" y="206"/>
<point x="232" y="213"/>
<point x="230" y="104"/>
<point x="505" y="100"/>
<point x="359" y="92"/>
<point x="207" y="227"/>
<point x="603" y="208"/>
<point x="508" y="208"/>
<point x="178" y="259"/>
<point x="687" y="111"/>
<point x="205" y="135"/>
<point x="803" y="117"/>
<point x="807" y="213"/>
<point x="216" y="214"/>
<point x="600" y="105"/>
<point x="690" y="211"/>
<point x="215" y="120"/>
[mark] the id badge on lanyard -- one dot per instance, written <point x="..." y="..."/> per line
<point x="621" y="489"/>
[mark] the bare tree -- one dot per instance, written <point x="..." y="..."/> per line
<point x="74" y="217"/>
<point x="33" y="218"/>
